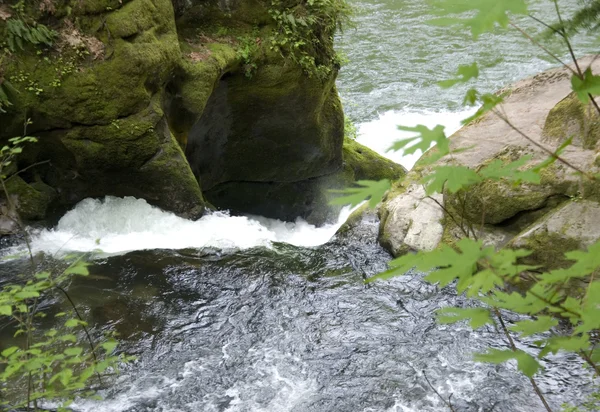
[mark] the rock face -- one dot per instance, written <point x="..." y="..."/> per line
<point x="158" y="100"/>
<point x="100" y="119"/>
<point x="558" y="215"/>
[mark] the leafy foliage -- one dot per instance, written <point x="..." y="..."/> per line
<point x="423" y="140"/>
<point x="487" y="13"/>
<point x="357" y="195"/>
<point x="54" y="365"/>
<point x="586" y="18"/>
<point x="18" y="34"/>
<point x="495" y="279"/>
<point x="46" y="364"/>
<point x="305" y="33"/>
<point x="464" y="73"/>
<point x="586" y="86"/>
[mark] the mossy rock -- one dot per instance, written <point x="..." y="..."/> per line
<point x="137" y="156"/>
<point x="31" y="200"/>
<point x="278" y="126"/>
<point x="310" y="198"/>
<point x="494" y="202"/>
<point x="572" y="225"/>
<point x="572" y="118"/>
<point x="100" y="121"/>
<point x="363" y="163"/>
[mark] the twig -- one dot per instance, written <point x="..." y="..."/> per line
<point x="448" y="402"/>
<point x="541" y="46"/>
<point x="85" y="329"/>
<point x="449" y="214"/>
<point x="26" y="168"/>
<point x="572" y="53"/>
<point x="542" y="147"/>
<point x="513" y="347"/>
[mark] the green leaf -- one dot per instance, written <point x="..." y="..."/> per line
<point x="6" y="310"/>
<point x="465" y="73"/>
<point x="109" y="346"/>
<point x="488" y="103"/>
<point x="477" y="317"/>
<point x="532" y="327"/>
<point x="71" y="323"/>
<point x="471" y="97"/>
<point x="590" y="84"/>
<point x="7" y="352"/>
<point x="27" y="294"/>
<point x="368" y="189"/>
<point x="68" y="338"/>
<point x="445" y="263"/>
<point x="73" y="351"/>
<point x="566" y="343"/>
<point x="42" y="275"/>
<point x="483" y="282"/>
<point x="78" y="268"/>
<point x="526" y="363"/>
<point x="551" y="159"/>
<point x="423" y="140"/>
<point x="497" y="169"/>
<point x="453" y="178"/>
<point x="487" y="14"/>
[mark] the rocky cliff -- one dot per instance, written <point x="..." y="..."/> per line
<point x="178" y="102"/>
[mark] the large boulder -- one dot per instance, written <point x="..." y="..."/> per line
<point x="96" y="104"/>
<point x="550" y="218"/>
<point x="158" y="100"/>
<point x="308" y="198"/>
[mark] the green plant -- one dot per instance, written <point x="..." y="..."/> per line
<point x="350" y="130"/>
<point x="46" y="363"/>
<point x="18" y="33"/>
<point x="247" y="50"/>
<point x="305" y="33"/>
<point x="483" y="273"/>
<point x="56" y="364"/>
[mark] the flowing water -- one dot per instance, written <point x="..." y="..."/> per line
<point x="236" y="314"/>
<point x="396" y="59"/>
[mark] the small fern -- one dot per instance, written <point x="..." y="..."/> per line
<point x="18" y="33"/>
<point x="5" y="90"/>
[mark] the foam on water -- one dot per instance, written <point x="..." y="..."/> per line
<point x="379" y="134"/>
<point x="119" y="225"/>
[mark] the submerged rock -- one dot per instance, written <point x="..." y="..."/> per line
<point x="551" y="218"/>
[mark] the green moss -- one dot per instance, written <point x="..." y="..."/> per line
<point x="354" y="218"/>
<point x="548" y="249"/>
<point x="362" y="163"/>
<point x="571" y="118"/>
<point x="495" y="201"/>
<point x="31" y="204"/>
<point x="127" y="142"/>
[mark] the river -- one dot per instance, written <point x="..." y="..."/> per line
<point x="245" y="314"/>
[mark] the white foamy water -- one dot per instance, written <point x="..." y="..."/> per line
<point x="379" y="134"/>
<point x="119" y="225"/>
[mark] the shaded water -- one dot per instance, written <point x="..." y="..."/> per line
<point x="294" y="329"/>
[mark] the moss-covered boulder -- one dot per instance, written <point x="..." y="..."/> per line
<point x="96" y="105"/>
<point x="306" y="198"/>
<point x="573" y="225"/>
<point x="541" y="217"/>
<point x="140" y="98"/>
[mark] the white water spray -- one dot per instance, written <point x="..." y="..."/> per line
<point x="119" y="225"/>
<point x="379" y="134"/>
